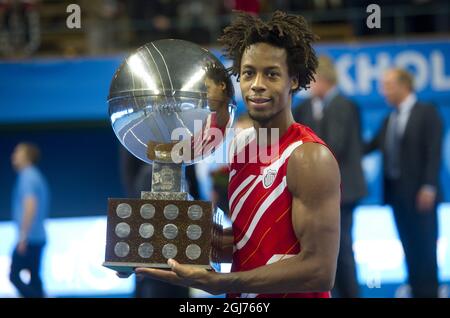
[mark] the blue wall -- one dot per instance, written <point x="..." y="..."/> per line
<point x="54" y="90"/>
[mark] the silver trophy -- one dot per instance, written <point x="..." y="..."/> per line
<point x="170" y="104"/>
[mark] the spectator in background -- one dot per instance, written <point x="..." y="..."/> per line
<point x="153" y="20"/>
<point x="20" y="31"/>
<point x="197" y="21"/>
<point x="250" y="6"/>
<point x="410" y="141"/>
<point x="106" y="25"/>
<point x="423" y="21"/>
<point x="336" y="120"/>
<point x="30" y="205"/>
<point x="298" y="6"/>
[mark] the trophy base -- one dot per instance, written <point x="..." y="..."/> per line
<point x="147" y="233"/>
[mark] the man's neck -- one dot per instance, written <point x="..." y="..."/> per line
<point x="24" y="167"/>
<point x="331" y="91"/>
<point x="410" y="97"/>
<point x="281" y="121"/>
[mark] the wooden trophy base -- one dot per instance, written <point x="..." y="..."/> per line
<point x="146" y="233"/>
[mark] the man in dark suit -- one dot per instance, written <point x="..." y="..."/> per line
<point x="336" y="120"/>
<point x="410" y="140"/>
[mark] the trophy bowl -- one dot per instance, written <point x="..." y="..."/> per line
<point x="170" y="104"/>
<point x="167" y="92"/>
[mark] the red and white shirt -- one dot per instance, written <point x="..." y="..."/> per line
<point x="260" y="203"/>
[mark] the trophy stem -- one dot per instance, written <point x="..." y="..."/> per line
<point x="167" y="177"/>
<point x="168" y="182"/>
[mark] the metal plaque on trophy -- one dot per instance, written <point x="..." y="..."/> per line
<point x="170" y="103"/>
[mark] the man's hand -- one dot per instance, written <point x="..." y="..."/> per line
<point x="184" y="275"/>
<point x="22" y="247"/>
<point x="425" y="199"/>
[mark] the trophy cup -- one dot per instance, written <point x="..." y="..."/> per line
<point x="170" y="103"/>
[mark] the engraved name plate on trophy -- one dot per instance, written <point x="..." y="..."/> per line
<point x="168" y="95"/>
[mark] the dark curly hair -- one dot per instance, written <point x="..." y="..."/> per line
<point x="283" y="30"/>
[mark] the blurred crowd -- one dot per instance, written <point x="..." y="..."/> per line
<point x="30" y="27"/>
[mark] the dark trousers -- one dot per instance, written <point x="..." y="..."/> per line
<point x="418" y="234"/>
<point x="151" y="288"/>
<point x="31" y="261"/>
<point x="346" y="282"/>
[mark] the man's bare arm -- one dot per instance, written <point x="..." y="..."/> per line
<point x="314" y="181"/>
<point x="316" y="207"/>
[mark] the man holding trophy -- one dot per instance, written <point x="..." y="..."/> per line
<point x="284" y="208"/>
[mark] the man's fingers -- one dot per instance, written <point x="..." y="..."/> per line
<point x="177" y="268"/>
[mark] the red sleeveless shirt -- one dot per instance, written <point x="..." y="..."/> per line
<point x="260" y="204"/>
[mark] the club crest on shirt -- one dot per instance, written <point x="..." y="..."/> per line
<point x="269" y="177"/>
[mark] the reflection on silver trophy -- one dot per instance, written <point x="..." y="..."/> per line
<point x="166" y="103"/>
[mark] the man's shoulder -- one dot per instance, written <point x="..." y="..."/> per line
<point x="34" y="172"/>
<point x="27" y="174"/>
<point x="314" y="164"/>
<point x="425" y="107"/>
<point x="311" y="159"/>
<point x="305" y="134"/>
<point x="426" y="111"/>
<point x="342" y="103"/>
<point x="32" y="176"/>
<point x="311" y="153"/>
<point x="421" y="104"/>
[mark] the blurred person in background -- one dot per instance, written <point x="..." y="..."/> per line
<point x="20" y="31"/>
<point x="197" y="20"/>
<point x="336" y="120"/>
<point x="30" y="207"/>
<point x="410" y="141"/>
<point x="107" y="26"/>
<point x="249" y="6"/>
<point x="153" y="20"/>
